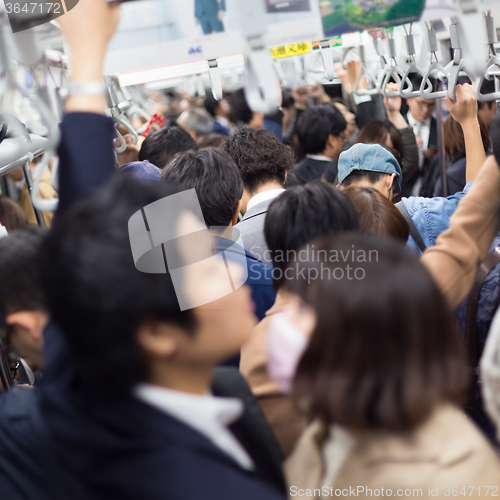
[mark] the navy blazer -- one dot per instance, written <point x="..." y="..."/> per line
<point x="309" y="170"/>
<point x="123" y="448"/>
<point x="260" y="275"/>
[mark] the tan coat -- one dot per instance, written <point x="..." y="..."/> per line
<point x="443" y="456"/>
<point x="452" y="263"/>
<point x="47" y="192"/>
<point x="278" y="409"/>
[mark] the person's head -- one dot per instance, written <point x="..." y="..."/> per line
<point x="261" y="158"/>
<point x="125" y="326"/>
<point x="487" y="111"/>
<point x="241" y="114"/>
<point x="160" y="146"/>
<point x="385" y="133"/>
<point x="378" y="215"/>
<point x="23" y="307"/>
<point x="320" y="131"/>
<point x="140" y="170"/>
<point x="212" y="140"/>
<point x="196" y="121"/>
<point x="420" y="109"/>
<point x="301" y="214"/>
<point x="384" y="351"/>
<point x="216" y="108"/>
<point x="454" y="140"/>
<point x="300" y="96"/>
<point x="216" y="179"/>
<point x="11" y="215"/>
<point x="370" y="165"/>
<point x="350" y="118"/>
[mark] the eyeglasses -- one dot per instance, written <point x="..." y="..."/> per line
<point x="424" y="104"/>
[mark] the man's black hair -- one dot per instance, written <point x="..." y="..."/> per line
<point x="287" y="100"/>
<point x="20" y="272"/>
<point x="240" y="110"/>
<point x="316" y="124"/>
<point x="487" y="87"/>
<point x="260" y="157"/>
<point x="211" y="104"/>
<point x="160" y="147"/>
<point x="96" y="295"/>
<point x="304" y="213"/>
<point x="361" y="175"/>
<point x="216" y="179"/>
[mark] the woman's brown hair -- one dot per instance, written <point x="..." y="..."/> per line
<point x="376" y="132"/>
<point x="11" y="215"/>
<point x="385" y="351"/>
<point x="377" y="215"/>
<point x="454" y="137"/>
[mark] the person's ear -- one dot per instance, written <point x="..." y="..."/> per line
<point x="158" y="339"/>
<point x="339" y="186"/>
<point x="388" y="183"/>
<point x="32" y="322"/>
<point x="236" y="213"/>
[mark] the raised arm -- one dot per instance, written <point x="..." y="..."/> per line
<point x="454" y="259"/>
<point x="86" y="151"/>
<point x="464" y="111"/>
<point x="409" y="153"/>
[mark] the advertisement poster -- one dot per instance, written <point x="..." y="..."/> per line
<point x="343" y="16"/>
<point x="156" y="33"/>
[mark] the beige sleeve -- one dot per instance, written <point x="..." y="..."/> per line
<point x="453" y="261"/>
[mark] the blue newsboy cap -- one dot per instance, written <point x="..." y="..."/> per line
<point x="142" y="171"/>
<point x="371" y="158"/>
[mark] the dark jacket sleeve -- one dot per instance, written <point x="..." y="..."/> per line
<point x="86" y="157"/>
<point x="252" y="430"/>
<point x="409" y="153"/>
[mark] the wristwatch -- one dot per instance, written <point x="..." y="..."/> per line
<point x="86" y="88"/>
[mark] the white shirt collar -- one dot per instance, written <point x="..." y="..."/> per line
<point x="29" y="371"/>
<point x="414" y="122"/>
<point x="319" y="157"/>
<point x="223" y="121"/>
<point x="264" y="196"/>
<point x="209" y="415"/>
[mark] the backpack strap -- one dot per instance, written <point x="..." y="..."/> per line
<point x="414" y="233"/>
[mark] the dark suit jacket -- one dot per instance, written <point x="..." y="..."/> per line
<point x="28" y="470"/>
<point x="426" y="172"/>
<point x="123" y="448"/>
<point x="252" y="429"/>
<point x="218" y="128"/>
<point x="309" y="170"/>
<point x="455" y="178"/>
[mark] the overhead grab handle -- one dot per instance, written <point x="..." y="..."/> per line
<point x="262" y="89"/>
<point x="325" y="47"/>
<point x="215" y="79"/>
<point x="472" y="36"/>
<point x="493" y="62"/>
<point x="367" y="75"/>
<point x="392" y="70"/>
<point x="435" y="69"/>
<point x="407" y="91"/>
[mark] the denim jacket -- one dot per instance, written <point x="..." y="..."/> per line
<point x="432" y="217"/>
